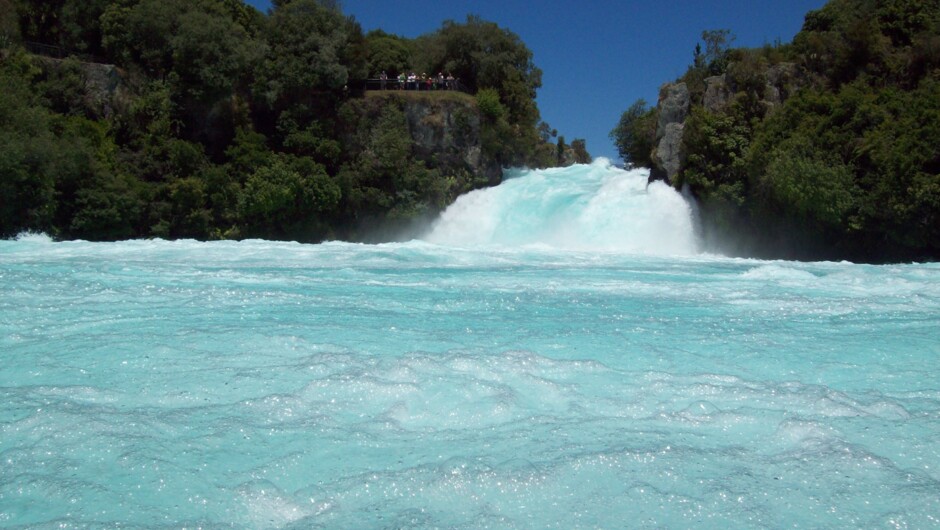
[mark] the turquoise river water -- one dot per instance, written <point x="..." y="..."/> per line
<point x="554" y="353"/>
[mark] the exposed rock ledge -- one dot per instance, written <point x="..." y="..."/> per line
<point x="781" y="80"/>
<point x="673" y="106"/>
<point x="103" y="83"/>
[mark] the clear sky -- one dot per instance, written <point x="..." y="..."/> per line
<point x="597" y="56"/>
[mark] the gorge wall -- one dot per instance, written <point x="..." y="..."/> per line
<point x="713" y="95"/>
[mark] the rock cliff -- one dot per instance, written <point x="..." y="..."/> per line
<point x="446" y="133"/>
<point x="102" y="84"/>
<point x="444" y="130"/>
<point x="674" y="105"/>
<point x="673" y="109"/>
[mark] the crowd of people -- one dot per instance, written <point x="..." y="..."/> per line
<point x="413" y="81"/>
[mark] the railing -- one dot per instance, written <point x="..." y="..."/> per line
<point x="58" y="52"/>
<point x="421" y="85"/>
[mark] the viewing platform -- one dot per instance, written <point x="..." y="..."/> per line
<point x="420" y="85"/>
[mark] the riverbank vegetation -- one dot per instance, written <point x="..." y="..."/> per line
<point x="826" y="147"/>
<point x="208" y="119"/>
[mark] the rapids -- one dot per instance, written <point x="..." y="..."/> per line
<point x="555" y="354"/>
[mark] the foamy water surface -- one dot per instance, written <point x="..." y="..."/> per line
<point x="278" y="385"/>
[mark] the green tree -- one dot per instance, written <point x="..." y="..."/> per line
<point x="211" y="55"/>
<point x="633" y="136"/>
<point x="247" y="152"/>
<point x="903" y="20"/>
<point x="139" y="34"/>
<point x="56" y="171"/>
<point x="190" y="215"/>
<point x="717" y="44"/>
<point x="815" y="188"/>
<point x="561" y="151"/>
<point x="9" y="24"/>
<point x="63" y="87"/>
<point x="306" y="46"/>
<point x="285" y="198"/>
<point x="387" y="53"/>
<point x="483" y="55"/>
<point x="579" y="150"/>
<point x="81" y="26"/>
<point x="27" y="178"/>
<point x="40" y="20"/>
<point x="716" y="164"/>
<point x="110" y="208"/>
<point x="227" y="123"/>
<point x="489" y="104"/>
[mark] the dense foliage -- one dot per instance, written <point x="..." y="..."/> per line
<point x="223" y="122"/>
<point x="633" y="135"/>
<point x="839" y="160"/>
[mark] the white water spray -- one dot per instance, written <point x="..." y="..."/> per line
<point x="582" y="207"/>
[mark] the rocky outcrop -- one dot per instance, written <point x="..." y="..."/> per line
<point x="444" y="131"/>
<point x="447" y="132"/>
<point x="782" y="80"/>
<point x="102" y="83"/>
<point x="669" y="151"/>
<point x="717" y="93"/>
<point x="673" y="108"/>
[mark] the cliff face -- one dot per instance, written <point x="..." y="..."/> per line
<point x="673" y="109"/>
<point x="443" y="131"/>
<point x="405" y="156"/>
<point x="446" y="134"/>
<point x="101" y="84"/>
<point x="104" y="84"/>
<point x="778" y="82"/>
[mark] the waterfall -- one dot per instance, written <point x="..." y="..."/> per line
<point x="582" y="207"/>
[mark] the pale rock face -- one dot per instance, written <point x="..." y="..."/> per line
<point x="673" y="106"/>
<point x="104" y="85"/>
<point x="669" y="150"/>
<point x="781" y="80"/>
<point x="717" y="93"/>
<point x="673" y="110"/>
<point x="449" y="132"/>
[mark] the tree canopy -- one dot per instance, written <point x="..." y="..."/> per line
<point x="208" y="119"/>
<point x="828" y="147"/>
<point x="633" y="135"/>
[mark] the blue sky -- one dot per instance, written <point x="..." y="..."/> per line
<point x="597" y="56"/>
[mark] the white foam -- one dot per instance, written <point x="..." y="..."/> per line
<point x="33" y="237"/>
<point x="778" y="273"/>
<point x="582" y="207"/>
<point x="269" y="507"/>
